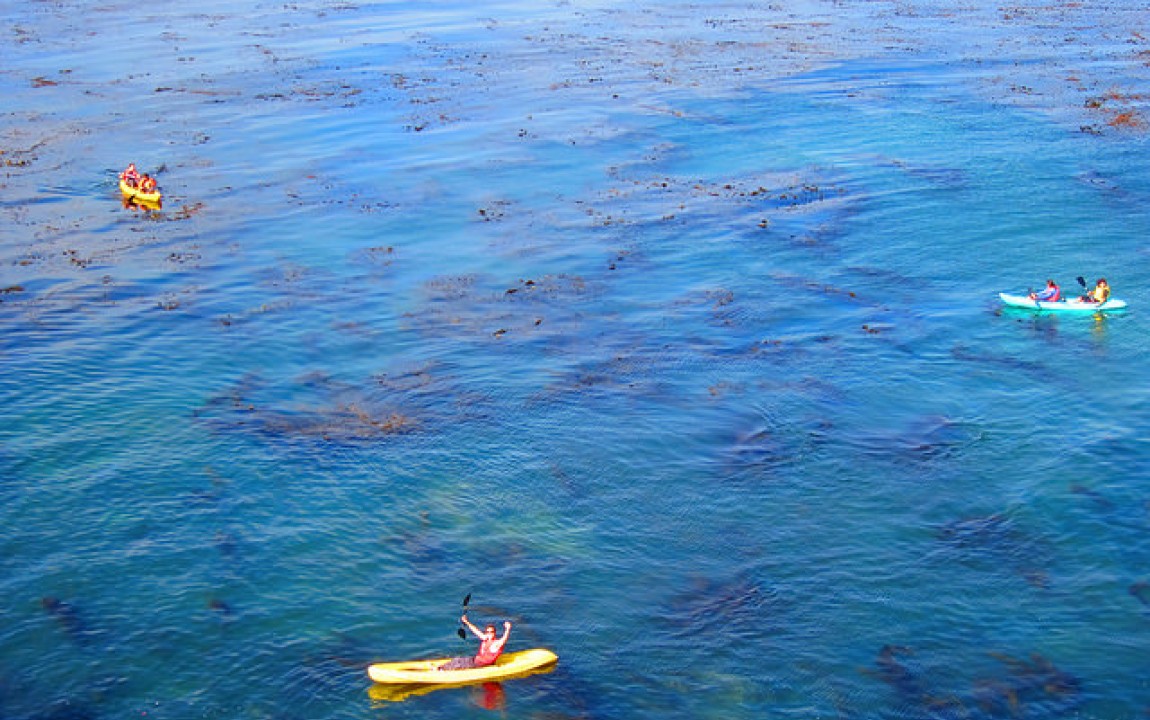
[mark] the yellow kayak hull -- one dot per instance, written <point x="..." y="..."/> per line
<point x="132" y="193"/>
<point x="427" y="672"/>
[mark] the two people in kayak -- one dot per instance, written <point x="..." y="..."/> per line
<point x="133" y="179"/>
<point x="1052" y="293"/>
<point x="490" y="647"/>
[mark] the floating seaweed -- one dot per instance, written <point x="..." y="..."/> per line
<point x="1119" y="110"/>
<point x="333" y="423"/>
<point x="788" y="207"/>
<point x="340" y="423"/>
<point x="629" y="372"/>
<point x="808" y="285"/>
<point x="381" y="256"/>
<point x="475" y="307"/>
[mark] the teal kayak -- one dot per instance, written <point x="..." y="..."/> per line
<point x="1071" y="306"/>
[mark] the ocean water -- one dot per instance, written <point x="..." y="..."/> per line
<point x="668" y="331"/>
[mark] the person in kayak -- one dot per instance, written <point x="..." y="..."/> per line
<point x="1100" y="293"/>
<point x="490" y="647"/>
<point x="147" y="183"/>
<point x="130" y="176"/>
<point x="1052" y="293"/>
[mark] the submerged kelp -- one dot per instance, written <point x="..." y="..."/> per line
<point x="392" y="404"/>
<point x="1022" y="688"/>
<point x="69" y="618"/>
<point x="996" y="543"/>
<point x="735" y="607"/>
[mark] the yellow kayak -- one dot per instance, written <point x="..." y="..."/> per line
<point x="427" y="672"/>
<point x="132" y="193"/>
<point x="381" y="693"/>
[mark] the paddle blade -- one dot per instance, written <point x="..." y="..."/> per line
<point x="1081" y="281"/>
<point x="466" y="599"/>
<point x="462" y="635"/>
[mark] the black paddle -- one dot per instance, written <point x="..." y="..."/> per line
<point x="1088" y="297"/>
<point x="460" y="632"/>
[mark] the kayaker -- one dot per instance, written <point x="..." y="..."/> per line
<point x="130" y="176"/>
<point x="490" y="647"/>
<point x="1100" y="293"/>
<point x="147" y="183"/>
<point x="1052" y="293"/>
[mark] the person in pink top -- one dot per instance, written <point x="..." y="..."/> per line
<point x="490" y="647"/>
<point x="131" y="176"/>
<point x="1052" y="293"/>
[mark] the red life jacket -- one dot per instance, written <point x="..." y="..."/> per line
<point x="488" y="653"/>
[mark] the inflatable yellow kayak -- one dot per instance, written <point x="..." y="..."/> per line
<point x="427" y="672"/>
<point x="132" y="193"/>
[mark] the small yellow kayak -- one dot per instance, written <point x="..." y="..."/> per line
<point x="427" y="672"/>
<point x="381" y="693"/>
<point x="132" y="193"/>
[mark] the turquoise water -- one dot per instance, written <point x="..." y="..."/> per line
<point x="667" y="331"/>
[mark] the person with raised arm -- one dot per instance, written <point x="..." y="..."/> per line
<point x="490" y="647"/>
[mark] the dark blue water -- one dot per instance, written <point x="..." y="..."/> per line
<point x="669" y="332"/>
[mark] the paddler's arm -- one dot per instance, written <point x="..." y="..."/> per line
<point x="498" y="644"/>
<point x="471" y="627"/>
